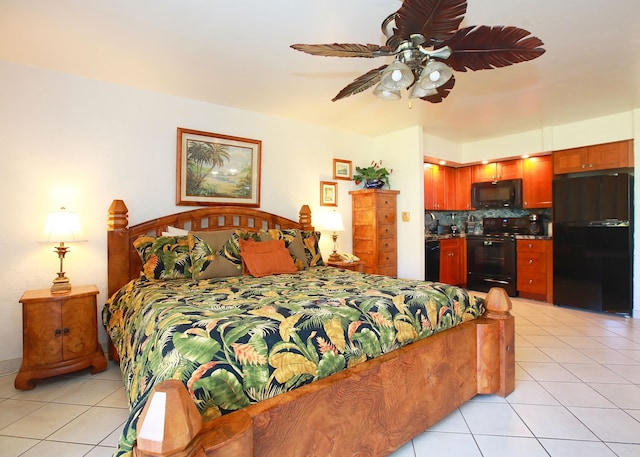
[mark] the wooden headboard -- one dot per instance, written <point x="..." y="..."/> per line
<point x="123" y="260"/>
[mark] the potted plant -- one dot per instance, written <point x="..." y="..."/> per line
<point x="374" y="176"/>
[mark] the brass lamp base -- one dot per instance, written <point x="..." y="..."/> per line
<point x="335" y="257"/>
<point x="61" y="285"/>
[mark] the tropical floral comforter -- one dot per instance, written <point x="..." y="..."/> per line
<point x="236" y="341"/>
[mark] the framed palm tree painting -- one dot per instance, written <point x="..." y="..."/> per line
<point x="215" y="169"/>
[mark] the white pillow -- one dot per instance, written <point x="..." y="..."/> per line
<point x="175" y="231"/>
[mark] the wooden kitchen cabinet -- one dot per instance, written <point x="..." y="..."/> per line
<point x="60" y="334"/>
<point x="453" y="259"/>
<point x="537" y="182"/>
<point x="606" y="156"/>
<point x="497" y="171"/>
<point x="535" y="269"/>
<point x="435" y="186"/>
<point x="458" y="195"/>
<point x="374" y="230"/>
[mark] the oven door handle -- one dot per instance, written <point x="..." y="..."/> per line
<point x="497" y="281"/>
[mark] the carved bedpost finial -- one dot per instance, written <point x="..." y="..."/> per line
<point x="169" y="422"/>
<point x="117" y="216"/>
<point x="305" y="217"/>
<point x="498" y="303"/>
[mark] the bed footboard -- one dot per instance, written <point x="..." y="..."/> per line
<point x="370" y="409"/>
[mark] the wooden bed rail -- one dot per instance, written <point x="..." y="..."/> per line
<point x="380" y="404"/>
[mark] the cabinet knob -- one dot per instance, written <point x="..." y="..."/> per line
<point x="65" y="331"/>
<point x="58" y="332"/>
<point x="531" y="281"/>
<point x="530" y="245"/>
<point x="530" y="261"/>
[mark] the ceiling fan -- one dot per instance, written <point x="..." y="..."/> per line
<point x="424" y="37"/>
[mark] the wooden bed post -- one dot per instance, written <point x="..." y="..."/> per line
<point x="304" y="217"/>
<point x="118" y="253"/>
<point x="173" y="423"/>
<point x="117" y="246"/>
<point x="496" y="335"/>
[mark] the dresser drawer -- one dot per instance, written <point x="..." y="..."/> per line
<point x="387" y="258"/>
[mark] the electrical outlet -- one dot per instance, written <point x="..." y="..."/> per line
<point x="406" y="216"/>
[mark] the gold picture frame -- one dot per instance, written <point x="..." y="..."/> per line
<point x="342" y="169"/>
<point x="215" y="169"/>
<point x="328" y="193"/>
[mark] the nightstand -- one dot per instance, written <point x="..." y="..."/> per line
<point x="59" y="334"/>
<point x="353" y="266"/>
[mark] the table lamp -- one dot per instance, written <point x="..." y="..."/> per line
<point x="333" y="223"/>
<point x="62" y="227"/>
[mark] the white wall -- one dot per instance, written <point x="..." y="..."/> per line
<point x="79" y="143"/>
<point x="402" y="151"/>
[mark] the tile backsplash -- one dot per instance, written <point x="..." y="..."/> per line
<point x="459" y="218"/>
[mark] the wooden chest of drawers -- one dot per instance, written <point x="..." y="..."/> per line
<point x="535" y="269"/>
<point x="374" y="230"/>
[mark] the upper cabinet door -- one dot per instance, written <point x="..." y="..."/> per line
<point x="537" y="178"/>
<point x="607" y="156"/>
<point x="497" y="171"/>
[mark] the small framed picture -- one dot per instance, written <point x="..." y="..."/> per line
<point x="342" y="169"/>
<point x="328" y="193"/>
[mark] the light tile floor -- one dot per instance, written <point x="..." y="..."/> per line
<point x="577" y="394"/>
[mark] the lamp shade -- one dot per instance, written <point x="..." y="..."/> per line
<point x="63" y="227"/>
<point x="333" y="222"/>
<point x="434" y="75"/>
<point x="396" y="76"/>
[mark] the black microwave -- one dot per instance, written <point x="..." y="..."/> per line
<point x="497" y="194"/>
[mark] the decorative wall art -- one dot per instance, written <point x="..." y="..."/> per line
<point x="328" y="193"/>
<point x="342" y="169"/>
<point x="215" y="169"/>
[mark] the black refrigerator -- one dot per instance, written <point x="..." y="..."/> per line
<point x="592" y="242"/>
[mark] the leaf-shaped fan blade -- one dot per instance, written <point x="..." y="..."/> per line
<point x="344" y="50"/>
<point x="443" y="91"/>
<point x="483" y="47"/>
<point x="436" y="20"/>
<point x="361" y="83"/>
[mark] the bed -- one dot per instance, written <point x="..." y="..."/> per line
<point x="335" y="362"/>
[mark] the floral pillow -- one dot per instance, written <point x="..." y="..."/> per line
<point x="164" y="257"/>
<point x="311" y="242"/>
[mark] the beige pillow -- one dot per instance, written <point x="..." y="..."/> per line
<point x="219" y="267"/>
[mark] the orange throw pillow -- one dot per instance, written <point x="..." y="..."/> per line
<point x="266" y="258"/>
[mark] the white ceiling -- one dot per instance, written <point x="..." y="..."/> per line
<point x="236" y="53"/>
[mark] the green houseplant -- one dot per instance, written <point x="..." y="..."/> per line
<point x="375" y="176"/>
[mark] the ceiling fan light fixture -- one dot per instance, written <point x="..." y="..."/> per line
<point x="397" y="76"/>
<point x="418" y="92"/>
<point x="434" y="75"/>
<point x="384" y="93"/>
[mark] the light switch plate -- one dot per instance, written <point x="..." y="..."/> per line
<point x="406" y="216"/>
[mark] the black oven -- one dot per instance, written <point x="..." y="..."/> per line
<point x="491" y="262"/>
<point x="491" y="257"/>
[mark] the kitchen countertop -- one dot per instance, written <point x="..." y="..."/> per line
<point x="434" y="237"/>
